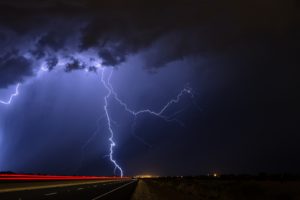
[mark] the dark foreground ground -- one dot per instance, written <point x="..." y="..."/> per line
<point x="216" y="189"/>
<point x="153" y="189"/>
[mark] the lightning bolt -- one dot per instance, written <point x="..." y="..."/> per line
<point x="109" y="123"/>
<point x="111" y="93"/>
<point x="12" y="96"/>
<point x="16" y="93"/>
<point x="160" y="114"/>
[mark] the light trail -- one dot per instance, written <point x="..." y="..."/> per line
<point x="12" y="96"/>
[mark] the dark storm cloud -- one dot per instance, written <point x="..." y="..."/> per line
<point x="177" y="30"/>
<point x="48" y="42"/>
<point x="52" y="41"/>
<point x="74" y="65"/>
<point x="245" y="64"/>
<point x="162" y="32"/>
<point x="13" y="68"/>
<point x="110" y="58"/>
<point x="51" y="62"/>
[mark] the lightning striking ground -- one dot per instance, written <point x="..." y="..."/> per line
<point x="109" y="121"/>
<point x="111" y="93"/>
<point x="12" y="96"/>
<point x="160" y="114"/>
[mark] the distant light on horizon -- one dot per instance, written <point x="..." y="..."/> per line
<point x="146" y="176"/>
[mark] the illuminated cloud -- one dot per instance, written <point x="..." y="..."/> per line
<point x="52" y="30"/>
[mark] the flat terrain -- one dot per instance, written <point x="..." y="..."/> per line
<point x="190" y="189"/>
<point x="67" y="189"/>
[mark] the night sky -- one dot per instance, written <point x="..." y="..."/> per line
<point x="238" y="60"/>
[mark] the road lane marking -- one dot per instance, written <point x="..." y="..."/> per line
<point x="53" y="186"/>
<point x="102" y="195"/>
<point x="49" y="194"/>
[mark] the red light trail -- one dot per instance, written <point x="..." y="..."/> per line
<point x="29" y="177"/>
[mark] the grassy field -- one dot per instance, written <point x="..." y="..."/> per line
<point x="214" y="189"/>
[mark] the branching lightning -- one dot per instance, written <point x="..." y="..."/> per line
<point x="111" y="93"/>
<point x="12" y="96"/>
<point x="160" y="114"/>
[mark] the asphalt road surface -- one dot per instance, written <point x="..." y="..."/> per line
<point x="122" y="189"/>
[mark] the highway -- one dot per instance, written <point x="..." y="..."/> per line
<point x="83" y="190"/>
